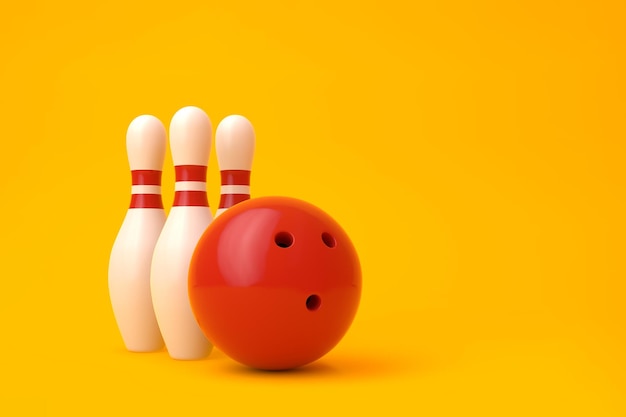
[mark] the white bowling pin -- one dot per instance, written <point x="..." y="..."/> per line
<point x="190" y="143"/>
<point x="131" y="255"/>
<point x="234" y="147"/>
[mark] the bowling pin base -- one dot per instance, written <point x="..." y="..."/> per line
<point x="129" y="279"/>
<point x="170" y="268"/>
<point x="144" y="348"/>
<point x="192" y="356"/>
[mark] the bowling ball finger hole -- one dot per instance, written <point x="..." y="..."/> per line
<point x="313" y="302"/>
<point x="283" y="239"/>
<point x="328" y="240"/>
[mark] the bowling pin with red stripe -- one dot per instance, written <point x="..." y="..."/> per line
<point x="234" y="146"/>
<point x="131" y="255"/>
<point x="190" y="143"/>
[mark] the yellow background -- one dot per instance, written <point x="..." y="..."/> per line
<point x="474" y="152"/>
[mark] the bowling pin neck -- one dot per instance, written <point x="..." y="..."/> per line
<point x="190" y="173"/>
<point x="229" y="200"/>
<point x="146" y="177"/>
<point x="235" y="187"/>
<point x="235" y="177"/>
<point x="146" y="189"/>
<point x="190" y="189"/>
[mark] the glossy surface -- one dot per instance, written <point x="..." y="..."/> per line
<point x="275" y="283"/>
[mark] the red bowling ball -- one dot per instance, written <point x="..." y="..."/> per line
<point x="275" y="283"/>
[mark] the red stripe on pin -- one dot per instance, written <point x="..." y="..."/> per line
<point x="146" y="201"/>
<point x="235" y="177"/>
<point x="191" y="198"/>
<point x="146" y="177"/>
<point x="229" y="200"/>
<point x="190" y="173"/>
